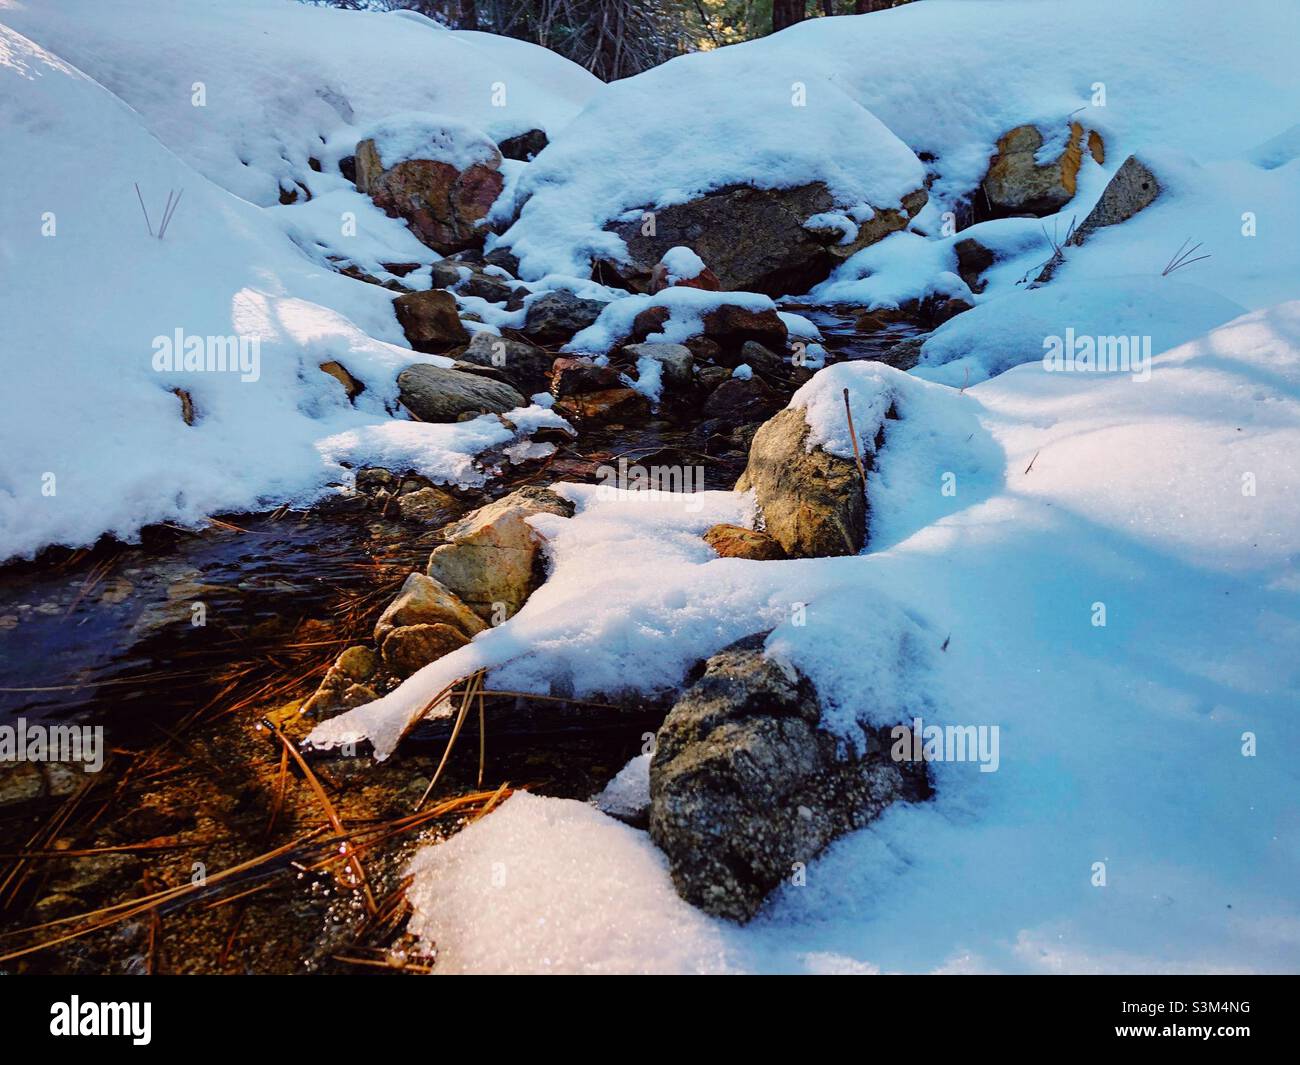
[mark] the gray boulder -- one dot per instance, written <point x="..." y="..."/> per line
<point x="524" y="365"/>
<point x="745" y="785"/>
<point x="754" y="240"/>
<point x="554" y="318"/>
<point x="437" y="394"/>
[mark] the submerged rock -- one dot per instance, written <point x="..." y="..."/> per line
<point x="745" y="786"/>
<point x="813" y="503"/>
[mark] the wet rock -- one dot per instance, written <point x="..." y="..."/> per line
<point x="573" y="376"/>
<point x="731" y="327"/>
<point x="761" y="360"/>
<point x="735" y="541"/>
<point x="608" y="405"/>
<point x="351" y="386"/>
<point x="20" y="782"/>
<point x="432" y="506"/>
<point x="524" y="146"/>
<point x="412" y="647"/>
<point x="744" y="784"/>
<point x="677" y="360"/>
<point x="554" y="318"/>
<point x="425" y="601"/>
<point x="710" y="377"/>
<point x="812" y="502"/>
<point x="493" y="559"/>
<point x="346" y="685"/>
<point x="754" y="240"/>
<point x="503" y="258"/>
<point x="486" y="287"/>
<point x="444" y="207"/>
<point x="526" y="366"/>
<point x="1016" y="184"/>
<point x="436" y="394"/>
<point x="742" y="400"/>
<point x="430" y="320"/>
<point x="906" y="353"/>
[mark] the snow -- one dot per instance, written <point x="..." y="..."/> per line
<point x="1119" y="744"/>
<point x="420" y="135"/>
<point x="687" y="308"/>
<point x="628" y="794"/>
<point x="281" y="79"/>
<point x="682" y="264"/>
<point x="90" y="296"/>
<point x="750" y="123"/>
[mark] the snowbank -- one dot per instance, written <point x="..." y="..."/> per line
<point x="278" y="79"/>
<point x="99" y="315"/>
<point x="1120" y="743"/>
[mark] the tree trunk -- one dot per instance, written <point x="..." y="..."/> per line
<point x="865" y="7"/>
<point x="468" y="15"/>
<point x="786" y="13"/>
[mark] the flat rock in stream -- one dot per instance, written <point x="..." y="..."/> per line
<point x="439" y="394"/>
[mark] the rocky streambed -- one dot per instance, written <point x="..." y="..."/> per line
<point x="206" y="843"/>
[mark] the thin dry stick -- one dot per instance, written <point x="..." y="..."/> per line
<point x="482" y="736"/>
<point x="854" y="435"/>
<point x="1032" y="461"/>
<point x="143" y="208"/>
<point x="330" y="813"/>
<point x="169" y="213"/>
<point x="465" y="702"/>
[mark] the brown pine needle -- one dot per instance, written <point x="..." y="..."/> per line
<point x="330" y="812"/>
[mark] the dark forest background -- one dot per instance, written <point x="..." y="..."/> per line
<point x="617" y="38"/>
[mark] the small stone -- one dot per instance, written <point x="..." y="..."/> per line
<point x="410" y="648"/>
<point x="735" y="541"/>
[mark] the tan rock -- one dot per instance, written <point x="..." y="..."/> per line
<point x="412" y="647"/>
<point x="493" y="556"/>
<point x="430" y="321"/>
<point x="426" y="601"/>
<point x="735" y="541"/>
<point x="1016" y="183"/>
<point x="813" y="502"/>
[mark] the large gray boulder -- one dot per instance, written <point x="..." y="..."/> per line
<point x="440" y="394"/>
<point x="745" y="785"/>
<point x="754" y="240"/>
<point x="813" y="503"/>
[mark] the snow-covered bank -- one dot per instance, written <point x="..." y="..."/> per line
<point x="1121" y="743"/>
<point x="95" y="305"/>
